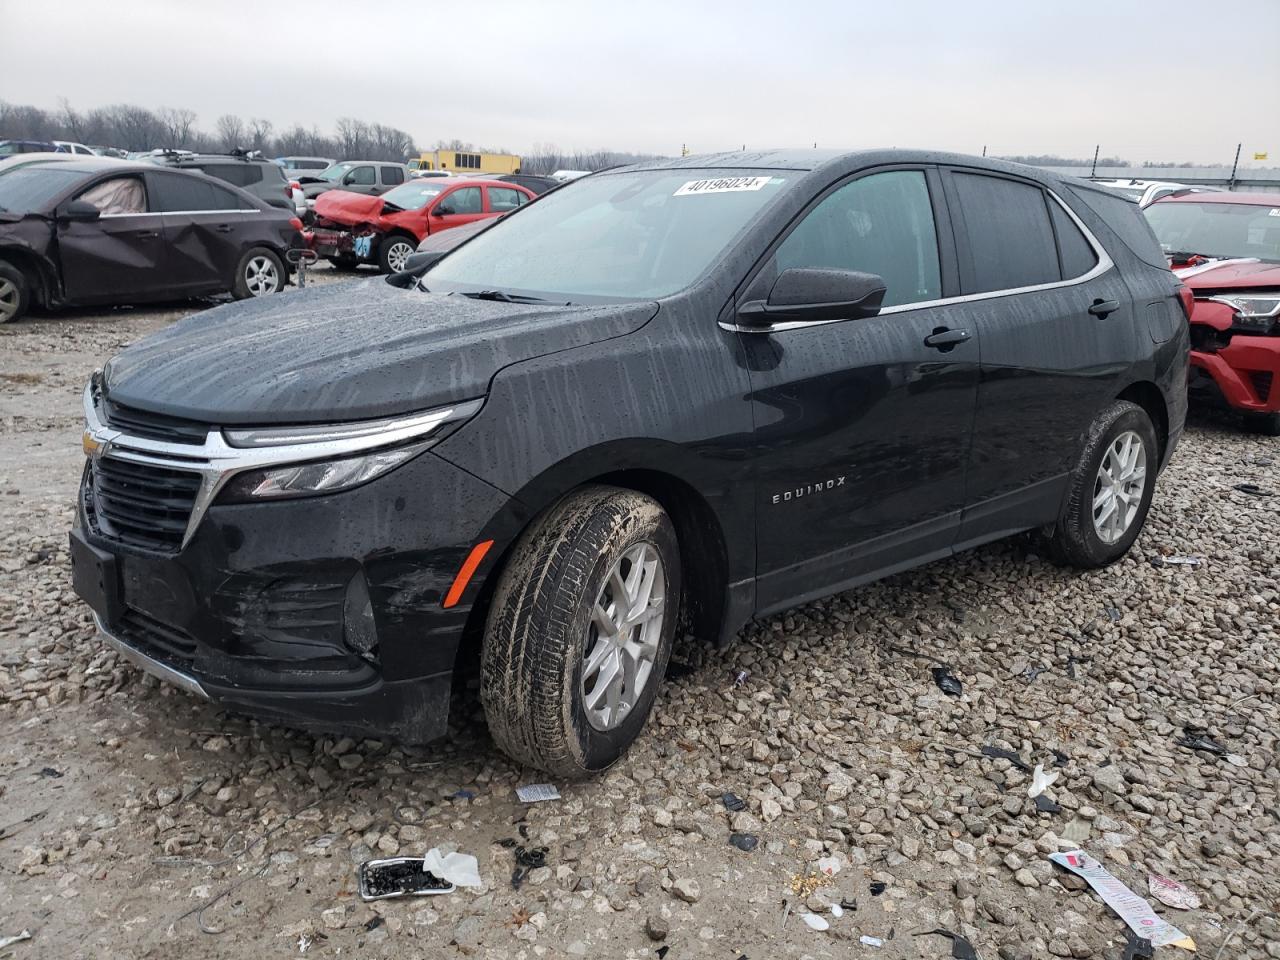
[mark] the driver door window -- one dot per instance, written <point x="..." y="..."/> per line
<point x="463" y="201"/>
<point x="117" y="197"/>
<point x="362" y="177"/>
<point x="880" y="224"/>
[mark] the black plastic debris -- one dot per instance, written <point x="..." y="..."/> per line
<point x="1137" y="948"/>
<point x="1031" y="673"/>
<point x="946" y="681"/>
<point x="463" y="794"/>
<point x="1045" y="805"/>
<point x="878" y="887"/>
<point x="745" y="842"/>
<point x="507" y="842"/>
<point x="661" y="952"/>
<point x="373" y="923"/>
<point x="51" y="773"/>
<point x="399" y="877"/>
<point x="527" y="858"/>
<point x="849" y="904"/>
<point x="961" y="948"/>
<point x="1253" y="490"/>
<point x="1113" y="614"/>
<point x="1060" y="759"/>
<point x="524" y="830"/>
<point x="1198" y="738"/>
<point x="1002" y="754"/>
<point x="733" y="802"/>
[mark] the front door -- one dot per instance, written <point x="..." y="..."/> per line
<point x="121" y="254"/>
<point x="453" y="209"/>
<point x="862" y="426"/>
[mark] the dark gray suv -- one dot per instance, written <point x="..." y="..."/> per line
<point x="262" y="178"/>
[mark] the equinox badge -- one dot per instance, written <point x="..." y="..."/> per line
<point x="798" y="492"/>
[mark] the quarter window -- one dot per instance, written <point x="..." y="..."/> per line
<point x="1010" y="237"/>
<point x="1077" y="255"/>
<point x="881" y="224"/>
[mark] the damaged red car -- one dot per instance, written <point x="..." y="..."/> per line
<point x="351" y="228"/>
<point x="1226" y="248"/>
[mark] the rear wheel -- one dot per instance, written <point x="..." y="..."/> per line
<point x="15" y="293"/>
<point x="580" y="631"/>
<point x="394" y="252"/>
<point x="1111" y="489"/>
<point x="259" y="274"/>
<point x="1267" y="424"/>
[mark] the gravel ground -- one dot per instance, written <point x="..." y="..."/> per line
<point x="136" y="821"/>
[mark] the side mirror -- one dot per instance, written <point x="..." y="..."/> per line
<point x="801" y="294"/>
<point x="415" y="265"/>
<point x="441" y="211"/>
<point x="78" y="211"/>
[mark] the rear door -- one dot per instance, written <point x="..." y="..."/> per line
<point x="119" y="256"/>
<point x="204" y="228"/>
<point x="390" y="176"/>
<point x="1057" y="328"/>
<point x="460" y="205"/>
<point x="862" y="426"/>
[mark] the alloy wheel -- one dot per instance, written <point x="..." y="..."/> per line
<point x="262" y="276"/>
<point x="623" y="636"/>
<point x="10" y="297"/>
<point x="398" y="255"/>
<point x="1119" y="487"/>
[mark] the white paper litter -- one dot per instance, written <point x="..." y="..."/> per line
<point x="535" y="792"/>
<point x="815" y="922"/>
<point x="460" y="869"/>
<point x="837" y="910"/>
<point x="1236" y="760"/>
<point x="829" y="866"/>
<point x="871" y="941"/>
<point x="1172" y="893"/>
<point x="1040" y="781"/>
<point x="1132" y="909"/>
<point x="17" y="937"/>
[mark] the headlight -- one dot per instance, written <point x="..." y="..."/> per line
<point x="1254" y="311"/>
<point x="311" y="479"/>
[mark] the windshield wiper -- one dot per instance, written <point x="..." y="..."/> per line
<point x="502" y="296"/>
<point x="1188" y="255"/>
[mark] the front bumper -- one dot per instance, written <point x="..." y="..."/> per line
<point x="254" y="611"/>
<point x="1246" y="371"/>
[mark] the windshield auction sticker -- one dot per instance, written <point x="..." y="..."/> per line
<point x="721" y="185"/>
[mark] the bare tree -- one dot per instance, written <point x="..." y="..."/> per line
<point x="230" y="131"/>
<point x="179" y="124"/>
<point x="260" y="133"/>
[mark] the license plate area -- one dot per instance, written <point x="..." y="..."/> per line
<point x="95" y="577"/>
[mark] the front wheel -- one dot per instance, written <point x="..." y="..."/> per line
<point x="580" y="631"/>
<point x="1111" y="489"/>
<point x="15" y="293"/>
<point x="258" y="274"/>
<point x="394" y="253"/>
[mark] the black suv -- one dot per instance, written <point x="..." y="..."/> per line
<point x="669" y="397"/>
<point x="264" y="179"/>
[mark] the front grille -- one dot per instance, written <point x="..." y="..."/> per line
<point x="142" y="505"/>
<point x="154" y="426"/>
<point x="153" y="636"/>
<point x="1262" y="383"/>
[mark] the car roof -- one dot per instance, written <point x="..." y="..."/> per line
<point x="1251" y="199"/>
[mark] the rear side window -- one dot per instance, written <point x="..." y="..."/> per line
<point x="178" y="194"/>
<point x="1077" y="255"/>
<point x="238" y="174"/>
<point x="1126" y="219"/>
<point x="229" y="199"/>
<point x="502" y="199"/>
<point x="1010" y="237"/>
<point x="881" y="224"/>
<point x="392" y="175"/>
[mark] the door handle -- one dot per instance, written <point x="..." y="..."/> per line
<point x="945" y="339"/>
<point x="1100" y="308"/>
<point x="148" y="234"/>
<point x="224" y="228"/>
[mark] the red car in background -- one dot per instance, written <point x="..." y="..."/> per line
<point x="351" y="228"/>
<point x="1226" y="248"/>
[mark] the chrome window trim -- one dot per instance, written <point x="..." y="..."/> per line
<point x="1104" y="264"/>
<point x="216" y="461"/>
<point x="169" y="213"/>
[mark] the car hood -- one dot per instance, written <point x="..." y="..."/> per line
<point x="346" y="352"/>
<point x="313" y="187"/>
<point x="1230" y="274"/>
<point x="343" y="206"/>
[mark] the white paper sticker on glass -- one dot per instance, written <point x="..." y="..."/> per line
<point x="721" y="185"/>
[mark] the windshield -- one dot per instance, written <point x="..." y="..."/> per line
<point x="636" y="235"/>
<point x="30" y="188"/>
<point x="413" y="196"/>
<point x="335" y="172"/>
<point x="1217" y="229"/>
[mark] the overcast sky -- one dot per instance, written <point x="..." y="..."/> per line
<point x="1141" y="77"/>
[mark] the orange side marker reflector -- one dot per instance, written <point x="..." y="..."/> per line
<point x="464" y="575"/>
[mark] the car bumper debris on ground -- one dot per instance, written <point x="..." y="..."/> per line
<point x="139" y="820"/>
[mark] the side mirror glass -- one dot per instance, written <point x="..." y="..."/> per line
<point x="441" y="211"/>
<point x="79" y="211"/>
<point x="415" y="265"/>
<point x="803" y="294"/>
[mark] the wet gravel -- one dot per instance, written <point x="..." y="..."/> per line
<point x="138" y="821"/>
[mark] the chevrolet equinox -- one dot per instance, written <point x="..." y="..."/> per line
<point x="666" y="398"/>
